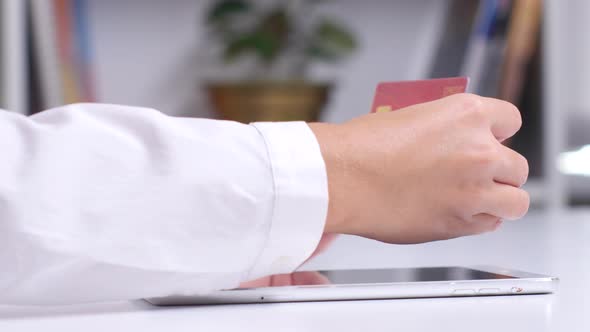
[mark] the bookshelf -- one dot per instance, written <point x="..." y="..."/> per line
<point x="13" y="63"/>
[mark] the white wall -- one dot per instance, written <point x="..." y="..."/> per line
<point x="574" y="52"/>
<point x="145" y="51"/>
<point x="576" y="40"/>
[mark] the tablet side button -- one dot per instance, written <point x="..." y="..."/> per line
<point x="489" y="291"/>
<point x="464" y="292"/>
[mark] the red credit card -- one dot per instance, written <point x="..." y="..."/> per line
<point x="391" y="96"/>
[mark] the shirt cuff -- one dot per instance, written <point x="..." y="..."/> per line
<point x="300" y="200"/>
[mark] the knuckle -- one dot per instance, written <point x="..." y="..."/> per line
<point x="467" y="102"/>
<point x="470" y="100"/>
<point x="523" y="168"/>
<point x="510" y="114"/>
<point x="515" y="115"/>
<point x="485" y="156"/>
<point x="470" y="104"/>
<point x="519" y="166"/>
<point x="521" y="204"/>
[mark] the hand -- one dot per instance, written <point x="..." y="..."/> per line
<point x="428" y="172"/>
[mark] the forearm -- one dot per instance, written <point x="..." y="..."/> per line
<point x="118" y="203"/>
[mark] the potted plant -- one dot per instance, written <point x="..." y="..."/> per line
<point x="276" y="43"/>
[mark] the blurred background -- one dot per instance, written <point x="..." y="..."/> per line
<point x="312" y="60"/>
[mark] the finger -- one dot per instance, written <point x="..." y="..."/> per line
<point x="260" y="282"/>
<point x="505" y="118"/>
<point x="310" y="278"/>
<point x="505" y="201"/>
<point x="482" y="223"/>
<point x="513" y="169"/>
<point x="281" y="280"/>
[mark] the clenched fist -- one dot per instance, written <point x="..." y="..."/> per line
<point x="428" y="172"/>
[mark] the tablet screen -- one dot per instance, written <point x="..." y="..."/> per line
<point x="409" y="275"/>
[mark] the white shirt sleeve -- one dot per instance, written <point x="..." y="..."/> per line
<point x="107" y="202"/>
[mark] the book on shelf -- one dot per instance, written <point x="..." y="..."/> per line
<point x="2" y="56"/>
<point x="492" y="43"/>
<point x="454" y="38"/>
<point x="46" y="69"/>
<point x="83" y="47"/>
<point x="62" y="52"/>
<point x="523" y="35"/>
<point x="487" y="45"/>
<point x="13" y="77"/>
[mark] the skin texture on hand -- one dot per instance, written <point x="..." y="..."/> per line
<point x="428" y="172"/>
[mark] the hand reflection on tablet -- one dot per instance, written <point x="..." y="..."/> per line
<point x="296" y="278"/>
<point x="292" y="279"/>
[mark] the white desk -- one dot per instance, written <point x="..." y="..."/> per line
<point x="560" y="248"/>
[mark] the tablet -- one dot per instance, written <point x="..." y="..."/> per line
<point x="365" y="284"/>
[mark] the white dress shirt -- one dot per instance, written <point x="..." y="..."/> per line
<point x="107" y="202"/>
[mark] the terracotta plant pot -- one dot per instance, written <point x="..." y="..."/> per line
<point x="268" y="101"/>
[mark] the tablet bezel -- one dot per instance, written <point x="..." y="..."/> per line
<point x="521" y="283"/>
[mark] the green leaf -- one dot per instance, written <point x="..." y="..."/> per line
<point x="224" y="8"/>
<point x="275" y="24"/>
<point x="263" y="45"/>
<point x="331" y="41"/>
<point x="321" y="53"/>
<point x="267" y="40"/>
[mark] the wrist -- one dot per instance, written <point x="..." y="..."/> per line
<point x="331" y="141"/>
